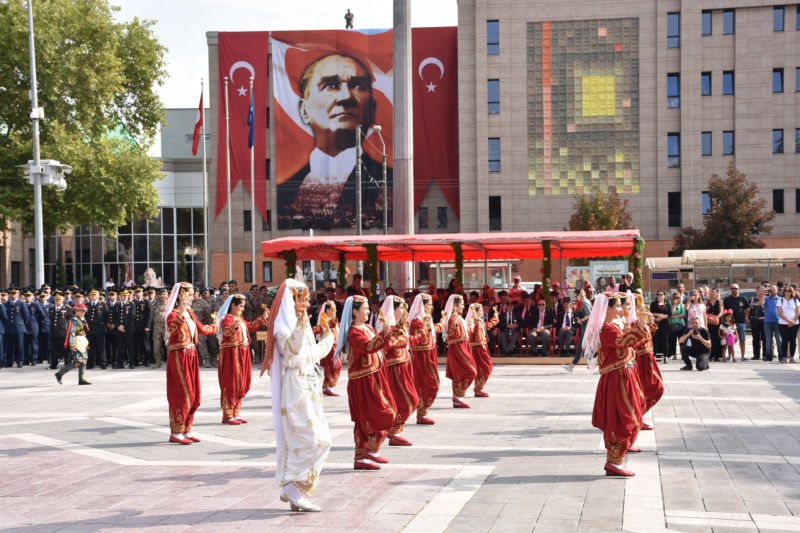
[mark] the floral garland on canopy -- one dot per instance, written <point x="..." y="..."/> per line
<point x="547" y="265"/>
<point x="459" y="262"/>
<point x="290" y="256"/>
<point x="372" y="266"/>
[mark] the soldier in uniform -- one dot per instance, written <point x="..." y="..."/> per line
<point x="68" y="301"/>
<point x="212" y="342"/>
<point x="44" y="327"/>
<point x="3" y="320"/>
<point x="35" y="313"/>
<point x="112" y="337"/>
<point x="141" y="339"/>
<point x="60" y="315"/>
<point x="159" y="327"/>
<point x="203" y="312"/>
<point x="15" y="330"/>
<point x="78" y="345"/>
<point x="127" y="330"/>
<point x="97" y="319"/>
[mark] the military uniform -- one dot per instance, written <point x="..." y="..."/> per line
<point x="15" y="328"/>
<point x="60" y="315"/>
<point x="44" y="329"/>
<point x="97" y="319"/>
<point x="159" y="328"/>
<point x="141" y="337"/>
<point x="78" y="331"/>
<point x="203" y="312"/>
<point x="3" y="321"/>
<point x="126" y="331"/>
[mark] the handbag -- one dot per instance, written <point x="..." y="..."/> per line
<point x="713" y="320"/>
<point x="676" y="327"/>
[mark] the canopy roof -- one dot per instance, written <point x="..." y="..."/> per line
<point x="475" y="246"/>
<point x="749" y="256"/>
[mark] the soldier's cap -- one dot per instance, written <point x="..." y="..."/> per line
<point x="162" y="290"/>
<point x="138" y="288"/>
<point x="78" y="294"/>
<point x="94" y="291"/>
<point x="41" y="293"/>
<point x="78" y="307"/>
<point x="150" y="290"/>
<point x="3" y="291"/>
<point x="45" y="286"/>
<point x="205" y="289"/>
<point x="58" y="295"/>
<point x="27" y="292"/>
<point x="126" y="292"/>
<point x="67" y="291"/>
<point x="12" y="290"/>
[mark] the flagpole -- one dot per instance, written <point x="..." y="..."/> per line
<point x="205" y="181"/>
<point x="228" y="179"/>
<point x="253" y="192"/>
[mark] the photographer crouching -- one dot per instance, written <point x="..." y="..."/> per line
<point x="696" y="343"/>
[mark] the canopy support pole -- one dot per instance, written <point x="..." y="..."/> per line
<point x="485" y="267"/>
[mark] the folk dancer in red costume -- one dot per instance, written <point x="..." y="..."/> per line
<point x="332" y="363"/>
<point x="235" y="369"/>
<point x="302" y="435"/>
<point x="424" y="357"/>
<point x="397" y="361"/>
<point x="478" y="341"/>
<point x="460" y="364"/>
<point x="183" y="370"/>
<point x="618" y="400"/>
<point x="371" y="404"/>
<point x="652" y="384"/>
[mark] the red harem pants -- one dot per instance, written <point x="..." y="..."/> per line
<point x="235" y="372"/>
<point x="618" y="411"/>
<point x="460" y="367"/>
<point x="183" y="388"/>
<point x="372" y="411"/>
<point x="401" y="383"/>
<point x="332" y="369"/>
<point x="650" y="378"/>
<point x="483" y="364"/>
<point x="426" y="378"/>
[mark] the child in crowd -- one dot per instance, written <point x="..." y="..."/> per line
<point x="727" y="332"/>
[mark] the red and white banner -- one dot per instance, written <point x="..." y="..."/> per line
<point x="325" y="84"/>
<point x="243" y="55"/>
<point x="198" y="126"/>
<point x="435" y="89"/>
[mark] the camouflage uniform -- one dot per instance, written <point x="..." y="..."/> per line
<point x="203" y="312"/>
<point x="159" y="333"/>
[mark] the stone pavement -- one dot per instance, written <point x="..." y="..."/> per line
<point x="724" y="456"/>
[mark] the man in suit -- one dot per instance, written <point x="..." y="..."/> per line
<point x="525" y="314"/>
<point x="508" y="325"/>
<point x="539" y="334"/>
<point x="60" y="315"/>
<point x="97" y="318"/>
<point x="335" y="98"/>
<point x="16" y="328"/>
<point x="35" y="313"/>
<point x="565" y="324"/>
<point x="44" y="327"/>
<point x="126" y="349"/>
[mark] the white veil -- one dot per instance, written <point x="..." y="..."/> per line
<point x="388" y="313"/>
<point x="223" y="310"/>
<point x="418" y="311"/>
<point x="448" y="310"/>
<point x="344" y="326"/>
<point x="591" y="340"/>
<point x="471" y="314"/>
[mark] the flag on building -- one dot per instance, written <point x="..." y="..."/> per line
<point x="198" y="126"/>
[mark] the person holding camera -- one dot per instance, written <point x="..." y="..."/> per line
<point x="695" y="342"/>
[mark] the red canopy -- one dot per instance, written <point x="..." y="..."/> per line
<point x="475" y="246"/>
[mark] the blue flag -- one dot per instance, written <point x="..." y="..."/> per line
<point x="251" y="122"/>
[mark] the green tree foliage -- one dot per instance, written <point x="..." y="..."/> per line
<point x="97" y="80"/>
<point x="600" y="212"/>
<point x="738" y="216"/>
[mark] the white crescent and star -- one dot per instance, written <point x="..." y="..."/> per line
<point x="242" y="90"/>
<point x="435" y="62"/>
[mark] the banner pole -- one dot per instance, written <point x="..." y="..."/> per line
<point x="253" y="194"/>
<point x="228" y="179"/>
<point x="205" y="184"/>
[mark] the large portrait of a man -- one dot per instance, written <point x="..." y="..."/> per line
<point x="326" y="85"/>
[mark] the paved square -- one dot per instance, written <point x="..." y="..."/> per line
<point x="724" y="456"/>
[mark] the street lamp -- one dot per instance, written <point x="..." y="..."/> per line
<point x="377" y="129"/>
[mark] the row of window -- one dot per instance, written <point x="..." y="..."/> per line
<point x="728" y="23"/>
<point x="675" y="213"/>
<point x="728" y="84"/>
<point x="728" y="144"/>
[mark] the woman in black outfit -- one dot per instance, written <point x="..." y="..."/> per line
<point x="661" y="311"/>
<point x="714" y="313"/>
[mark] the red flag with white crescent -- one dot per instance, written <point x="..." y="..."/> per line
<point x="434" y="58"/>
<point x="198" y="125"/>
<point x="242" y="55"/>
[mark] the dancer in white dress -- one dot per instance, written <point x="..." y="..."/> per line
<point x="302" y="436"/>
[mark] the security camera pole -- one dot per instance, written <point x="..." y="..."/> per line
<point x="35" y="174"/>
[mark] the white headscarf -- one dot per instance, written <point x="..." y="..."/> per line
<point x="632" y="314"/>
<point x="448" y="310"/>
<point x="418" y="311"/>
<point x="221" y="314"/>
<point x="344" y="326"/>
<point x="591" y="341"/>
<point x="471" y="314"/>
<point x="389" y="319"/>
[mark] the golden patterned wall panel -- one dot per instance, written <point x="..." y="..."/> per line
<point x="583" y="107"/>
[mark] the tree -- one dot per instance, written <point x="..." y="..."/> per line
<point x="600" y="212"/>
<point x="97" y="80"/>
<point x="737" y="218"/>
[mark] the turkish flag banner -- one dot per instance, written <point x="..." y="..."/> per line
<point x="434" y="56"/>
<point x="243" y="55"/>
<point x="325" y="85"/>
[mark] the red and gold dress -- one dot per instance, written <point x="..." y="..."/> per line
<point x="425" y="361"/>
<point x="183" y="371"/>
<point x="368" y="394"/>
<point x="401" y="380"/>
<point x="478" y="341"/>
<point x="460" y="364"/>
<point x="619" y="400"/>
<point x="331" y="366"/>
<point x="235" y="369"/>
<point x="650" y="378"/>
